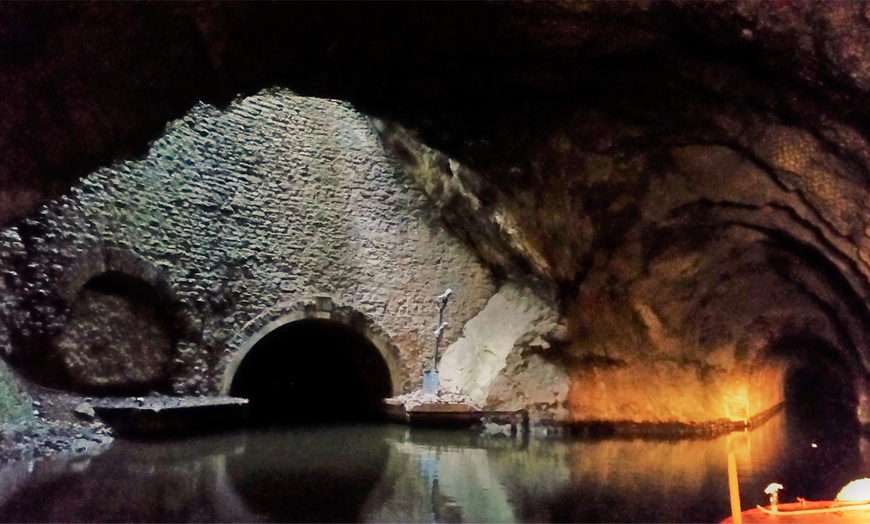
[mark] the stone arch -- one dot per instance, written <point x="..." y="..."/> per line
<point x="321" y="308"/>
<point x="745" y="278"/>
<point x="117" y="337"/>
<point x="110" y="259"/>
<point x="798" y="254"/>
<point x="119" y="330"/>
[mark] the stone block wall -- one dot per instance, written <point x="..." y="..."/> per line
<point x="276" y="199"/>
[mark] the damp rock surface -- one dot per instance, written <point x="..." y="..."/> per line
<point x="504" y="359"/>
<point x="687" y="179"/>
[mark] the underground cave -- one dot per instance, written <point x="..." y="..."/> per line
<point x="652" y="218"/>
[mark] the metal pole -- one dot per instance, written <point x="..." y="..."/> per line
<point x="441" y="326"/>
<point x="438" y="333"/>
<point x="733" y="484"/>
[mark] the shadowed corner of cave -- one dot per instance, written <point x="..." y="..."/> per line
<point x="312" y="371"/>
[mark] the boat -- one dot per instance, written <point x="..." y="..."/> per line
<point x="820" y="511"/>
<point x="851" y="505"/>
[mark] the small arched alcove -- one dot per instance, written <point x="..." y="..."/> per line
<point x="312" y="370"/>
<point x="119" y="338"/>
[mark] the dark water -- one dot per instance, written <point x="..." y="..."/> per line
<point x="384" y="473"/>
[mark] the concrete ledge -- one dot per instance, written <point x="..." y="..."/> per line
<point x="168" y="417"/>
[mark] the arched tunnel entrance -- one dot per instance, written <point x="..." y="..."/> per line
<point x="312" y="370"/>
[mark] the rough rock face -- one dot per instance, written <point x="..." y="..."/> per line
<point x="501" y="362"/>
<point x="85" y="84"/>
<point x="233" y="217"/>
<point x="682" y="267"/>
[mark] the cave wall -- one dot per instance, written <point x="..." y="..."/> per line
<point x="278" y="199"/>
<point x="675" y="268"/>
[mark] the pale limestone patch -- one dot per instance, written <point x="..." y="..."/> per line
<point x="473" y="362"/>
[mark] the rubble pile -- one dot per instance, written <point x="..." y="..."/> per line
<point x="61" y="423"/>
<point x="444" y="396"/>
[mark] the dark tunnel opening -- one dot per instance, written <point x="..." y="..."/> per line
<point x="822" y="429"/>
<point x="312" y="371"/>
<point x="818" y="385"/>
<point x="820" y="396"/>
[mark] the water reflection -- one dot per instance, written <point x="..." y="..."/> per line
<point x="321" y="474"/>
<point x="820" y="438"/>
<point x="442" y="476"/>
<point x="393" y="474"/>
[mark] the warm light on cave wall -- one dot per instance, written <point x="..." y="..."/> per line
<point x="665" y="393"/>
<point x="765" y="387"/>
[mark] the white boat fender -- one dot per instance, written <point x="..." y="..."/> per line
<point x="855" y="491"/>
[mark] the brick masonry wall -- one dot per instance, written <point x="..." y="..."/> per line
<point x="277" y="199"/>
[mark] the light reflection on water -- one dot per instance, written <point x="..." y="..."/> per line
<point x="393" y="474"/>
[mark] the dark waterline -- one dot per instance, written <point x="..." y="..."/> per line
<point x="383" y="473"/>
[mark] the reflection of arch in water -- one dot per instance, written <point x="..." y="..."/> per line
<point x="314" y="362"/>
<point x="178" y="481"/>
<point x="272" y="477"/>
<point x="442" y="476"/>
<point x="312" y="475"/>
